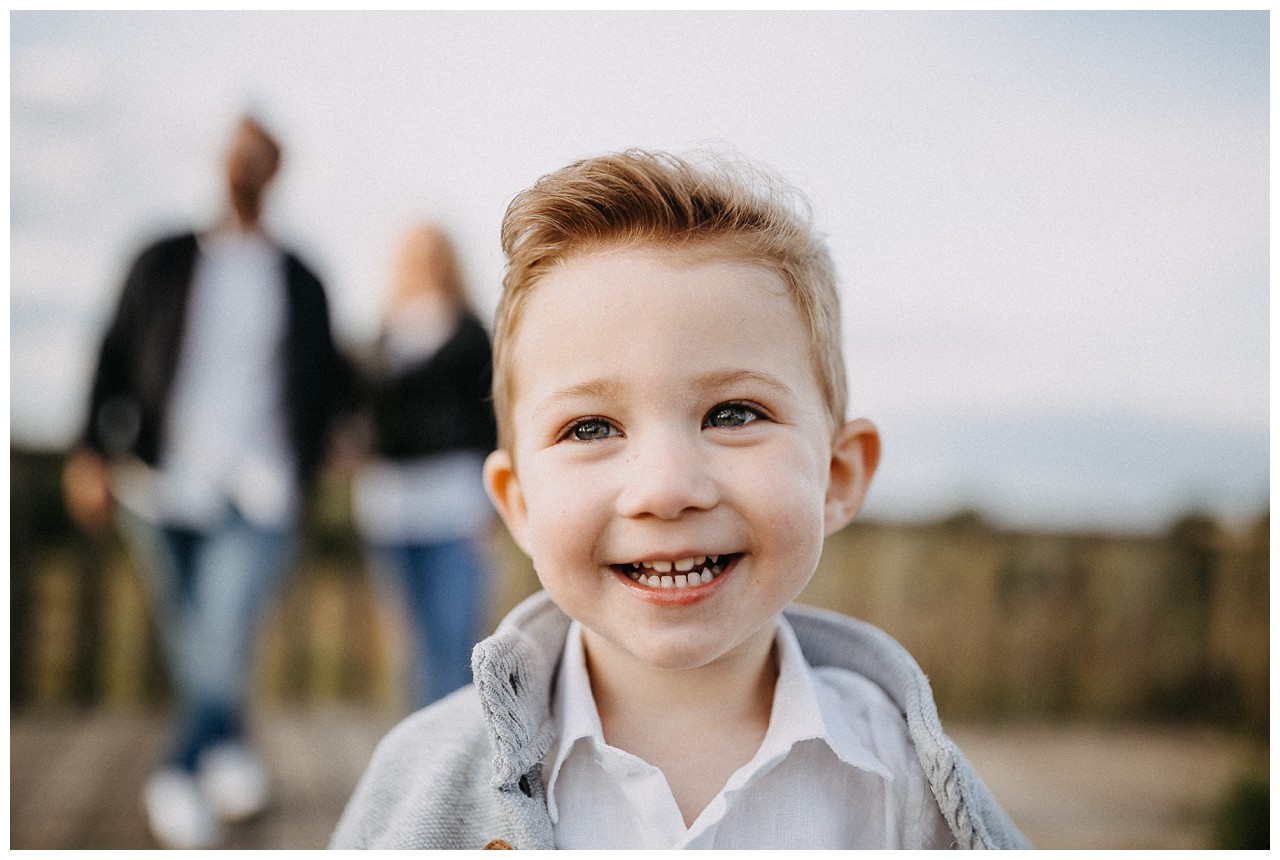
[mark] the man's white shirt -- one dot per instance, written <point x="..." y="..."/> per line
<point x="226" y="429"/>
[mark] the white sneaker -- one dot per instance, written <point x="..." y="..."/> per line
<point x="177" y="813"/>
<point x="234" y="782"/>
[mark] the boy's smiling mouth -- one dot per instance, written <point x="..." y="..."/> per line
<point x="687" y="572"/>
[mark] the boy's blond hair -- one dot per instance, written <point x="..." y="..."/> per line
<point x="725" y="210"/>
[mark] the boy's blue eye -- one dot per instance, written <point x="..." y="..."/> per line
<point x="731" y="415"/>
<point x="590" y="430"/>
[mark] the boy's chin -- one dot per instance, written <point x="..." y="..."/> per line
<point x="679" y="652"/>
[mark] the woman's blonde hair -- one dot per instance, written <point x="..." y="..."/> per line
<point x="426" y="264"/>
<point x="719" y="207"/>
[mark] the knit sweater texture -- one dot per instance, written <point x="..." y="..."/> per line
<point x="468" y="769"/>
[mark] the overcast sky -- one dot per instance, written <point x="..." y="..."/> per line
<point x="1052" y="229"/>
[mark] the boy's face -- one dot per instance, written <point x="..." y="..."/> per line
<point x="669" y="431"/>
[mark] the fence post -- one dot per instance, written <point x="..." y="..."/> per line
<point x="91" y="570"/>
<point x="21" y="562"/>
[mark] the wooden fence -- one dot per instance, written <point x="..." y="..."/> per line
<point x="1005" y="623"/>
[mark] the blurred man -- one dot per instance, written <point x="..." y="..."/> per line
<point x="210" y="403"/>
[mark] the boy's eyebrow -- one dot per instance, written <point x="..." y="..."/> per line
<point x="593" y="388"/>
<point x="728" y="378"/>
<point x="609" y="389"/>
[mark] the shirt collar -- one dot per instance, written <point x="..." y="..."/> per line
<point x="796" y="714"/>
<point x="800" y="711"/>
<point x="574" y="709"/>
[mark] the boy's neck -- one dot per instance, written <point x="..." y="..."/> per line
<point x="698" y="726"/>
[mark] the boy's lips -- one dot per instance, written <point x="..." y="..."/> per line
<point x="681" y="573"/>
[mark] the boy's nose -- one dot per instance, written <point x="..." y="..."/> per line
<point x="666" y="477"/>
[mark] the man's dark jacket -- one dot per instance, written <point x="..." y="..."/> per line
<point x="135" y="372"/>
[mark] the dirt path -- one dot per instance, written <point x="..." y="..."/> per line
<point x="1090" y="787"/>
<point x="75" y="779"/>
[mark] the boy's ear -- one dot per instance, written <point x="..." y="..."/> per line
<point x="855" y="452"/>
<point x="503" y="487"/>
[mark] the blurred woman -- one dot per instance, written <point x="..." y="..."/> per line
<point x="418" y="500"/>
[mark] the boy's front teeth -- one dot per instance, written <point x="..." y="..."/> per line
<point x="689" y="572"/>
<point x="684" y="565"/>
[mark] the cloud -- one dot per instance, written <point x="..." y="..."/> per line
<point x="1031" y="214"/>
<point x="54" y="76"/>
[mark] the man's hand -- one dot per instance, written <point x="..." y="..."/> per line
<point x="86" y="490"/>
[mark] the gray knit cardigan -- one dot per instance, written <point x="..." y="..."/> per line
<point x="468" y="769"/>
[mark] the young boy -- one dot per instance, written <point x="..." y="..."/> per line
<point x="673" y="449"/>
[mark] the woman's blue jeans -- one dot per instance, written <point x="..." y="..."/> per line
<point x="444" y="586"/>
<point x="209" y="588"/>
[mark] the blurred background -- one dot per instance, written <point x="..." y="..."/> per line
<point x="1052" y="233"/>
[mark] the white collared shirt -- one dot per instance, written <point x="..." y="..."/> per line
<point x="836" y="769"/>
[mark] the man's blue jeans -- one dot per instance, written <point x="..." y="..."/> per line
<point x="444" y="585"/>
<point x="209" y="588"/>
